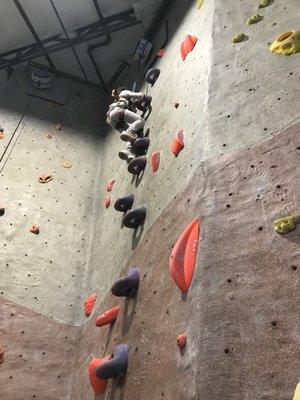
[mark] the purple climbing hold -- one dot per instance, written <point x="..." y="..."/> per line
<point x="137" y="165"/>
<point x="134" y="218"/>
<point x="116" y="365"/>
<point x="144" y="104"/>
<point x="123" y="287"/>
<point x="140" y="146"/>
<point x="152" y="75"/>
<point x="124" y="203"/>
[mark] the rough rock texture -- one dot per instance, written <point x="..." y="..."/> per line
<point x="241" y="313"/>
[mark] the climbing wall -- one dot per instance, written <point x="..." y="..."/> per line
<point x="237" y="173"/>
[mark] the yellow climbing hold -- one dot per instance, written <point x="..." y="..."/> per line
<point x="253" y="19"/>
<point x="286" y="224"/>
<point x="287" y="43"/>
<point x="264" y="3"/>
<point x="199" y="3"/>
<point x="297" y="392"/>
<point x="239" y="37"/>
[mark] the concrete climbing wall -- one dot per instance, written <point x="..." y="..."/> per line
<point x="238" y="173"/>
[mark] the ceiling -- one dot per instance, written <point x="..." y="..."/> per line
<point x="74" y="14"/>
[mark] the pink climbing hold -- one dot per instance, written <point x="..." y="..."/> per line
<point x="98" y="385"/>
<point x="89" y="304"/>
<point x="110" y="185"/>
<point x="160" y="52"/>
<point x="107" y="201"/>
<point x="187" y="46"/>
<point x="178" y="143"/>
<point x="155" y="160"/>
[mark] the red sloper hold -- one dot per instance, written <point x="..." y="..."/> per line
<point x="108" y="317"/>
<point x="107" y="201"/>
<point x="178" y="143"/>
<point x="181" y="340"/>
<point x="89" y="304"/>
<point x="155" y="160"/>
<point x="98" y="385"/>
<point x="110" y="185"/>
<point x="182" y="261"/>
<point x="187" y="46"/>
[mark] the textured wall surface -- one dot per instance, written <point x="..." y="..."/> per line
<point x="239" y="107"/>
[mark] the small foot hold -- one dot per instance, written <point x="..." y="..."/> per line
<point x="161" y="52"/>
<point x="239" y="37"/>
<point x="67" y="165"/>
<point x="187" y="46"/>
<point x="110" y="185"/>
<point x="98" y="385"/>
<point x="254" y="19"/>
<point x="152" y="75"/>
<point x="89" y="304"/>
<point x="181" y="340"/>
<point x="123" y="287"/>
<point x="116" y="365"/>
<point x="287" y="43"/>
<point x="58" y="127"/>
<point x="109" y="317"/>
<point x="2" y="210"/>
<point x="264" y="3"/>
<point x="34" y="229"/>
<point x="124" y="203"/>
<point x="45" y="178"/>
<point x="134" y="218"/>
<point x="178" y="143"/>
<point x="286" y="224"/>
<point x="107" y="201"/>
<point x="137" y="165"/>
<point x="141" y="146"/>
<point x="155" y="160"/>
<point x="1" y="135"/>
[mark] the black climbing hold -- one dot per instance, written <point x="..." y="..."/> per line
<point x="140" y="146"/>
<point x="144" y="104"/>
<point x="124" y="203"/>
<point x="137" y="165"/>
<point x="152" y="75"/>
<point x="123" y="287"/>
<point x="116" y="365"/>
<point x="134" y="218"/>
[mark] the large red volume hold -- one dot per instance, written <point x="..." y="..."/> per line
<point x="89" y="304"/>
<point x="182" y="261"/>
<point x="155" y="160"/>
<point x="108" y="317"/>
<point x="98" y="385"/>
<point x="178" y="143"/>
<point x="187" y="46"/>
<point x="107" y="201"/>
<point x="110" y="185"/>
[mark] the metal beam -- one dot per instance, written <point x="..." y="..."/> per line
<point x="31" y="28"/>
<point x="55" y="43"/>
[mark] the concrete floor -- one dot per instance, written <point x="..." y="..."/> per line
<point x="232" y="96"/>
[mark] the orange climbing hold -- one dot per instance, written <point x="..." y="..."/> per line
<point x="187" y="46"/>
<point x="108" y="317"/>
<point x="110" y="185"/>
<point x="181" y="340"/>
<point x="155" y="160"/>
<point x="89" y="304"/>
<point x="107" y="201"/>
<point x="182" y="261"/>
<point x="98" y="385"/>
<point x="34" y="229"/>
<point x="178" y="143"/>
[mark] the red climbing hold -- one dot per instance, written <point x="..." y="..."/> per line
<point x="187" y="46"/>
<point x="98" y="385"/>
<point x="110" y="185"/>
<point x="155" y="160"/>
<point x="160" y="52"/>
<point x="89" y="304"/>
<point x="108" y="317"/>
<point x="107" y="201"/>
<point x="178" y="143"/>
<point x="183" y="258"/>
<point x="181" y="340"/>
